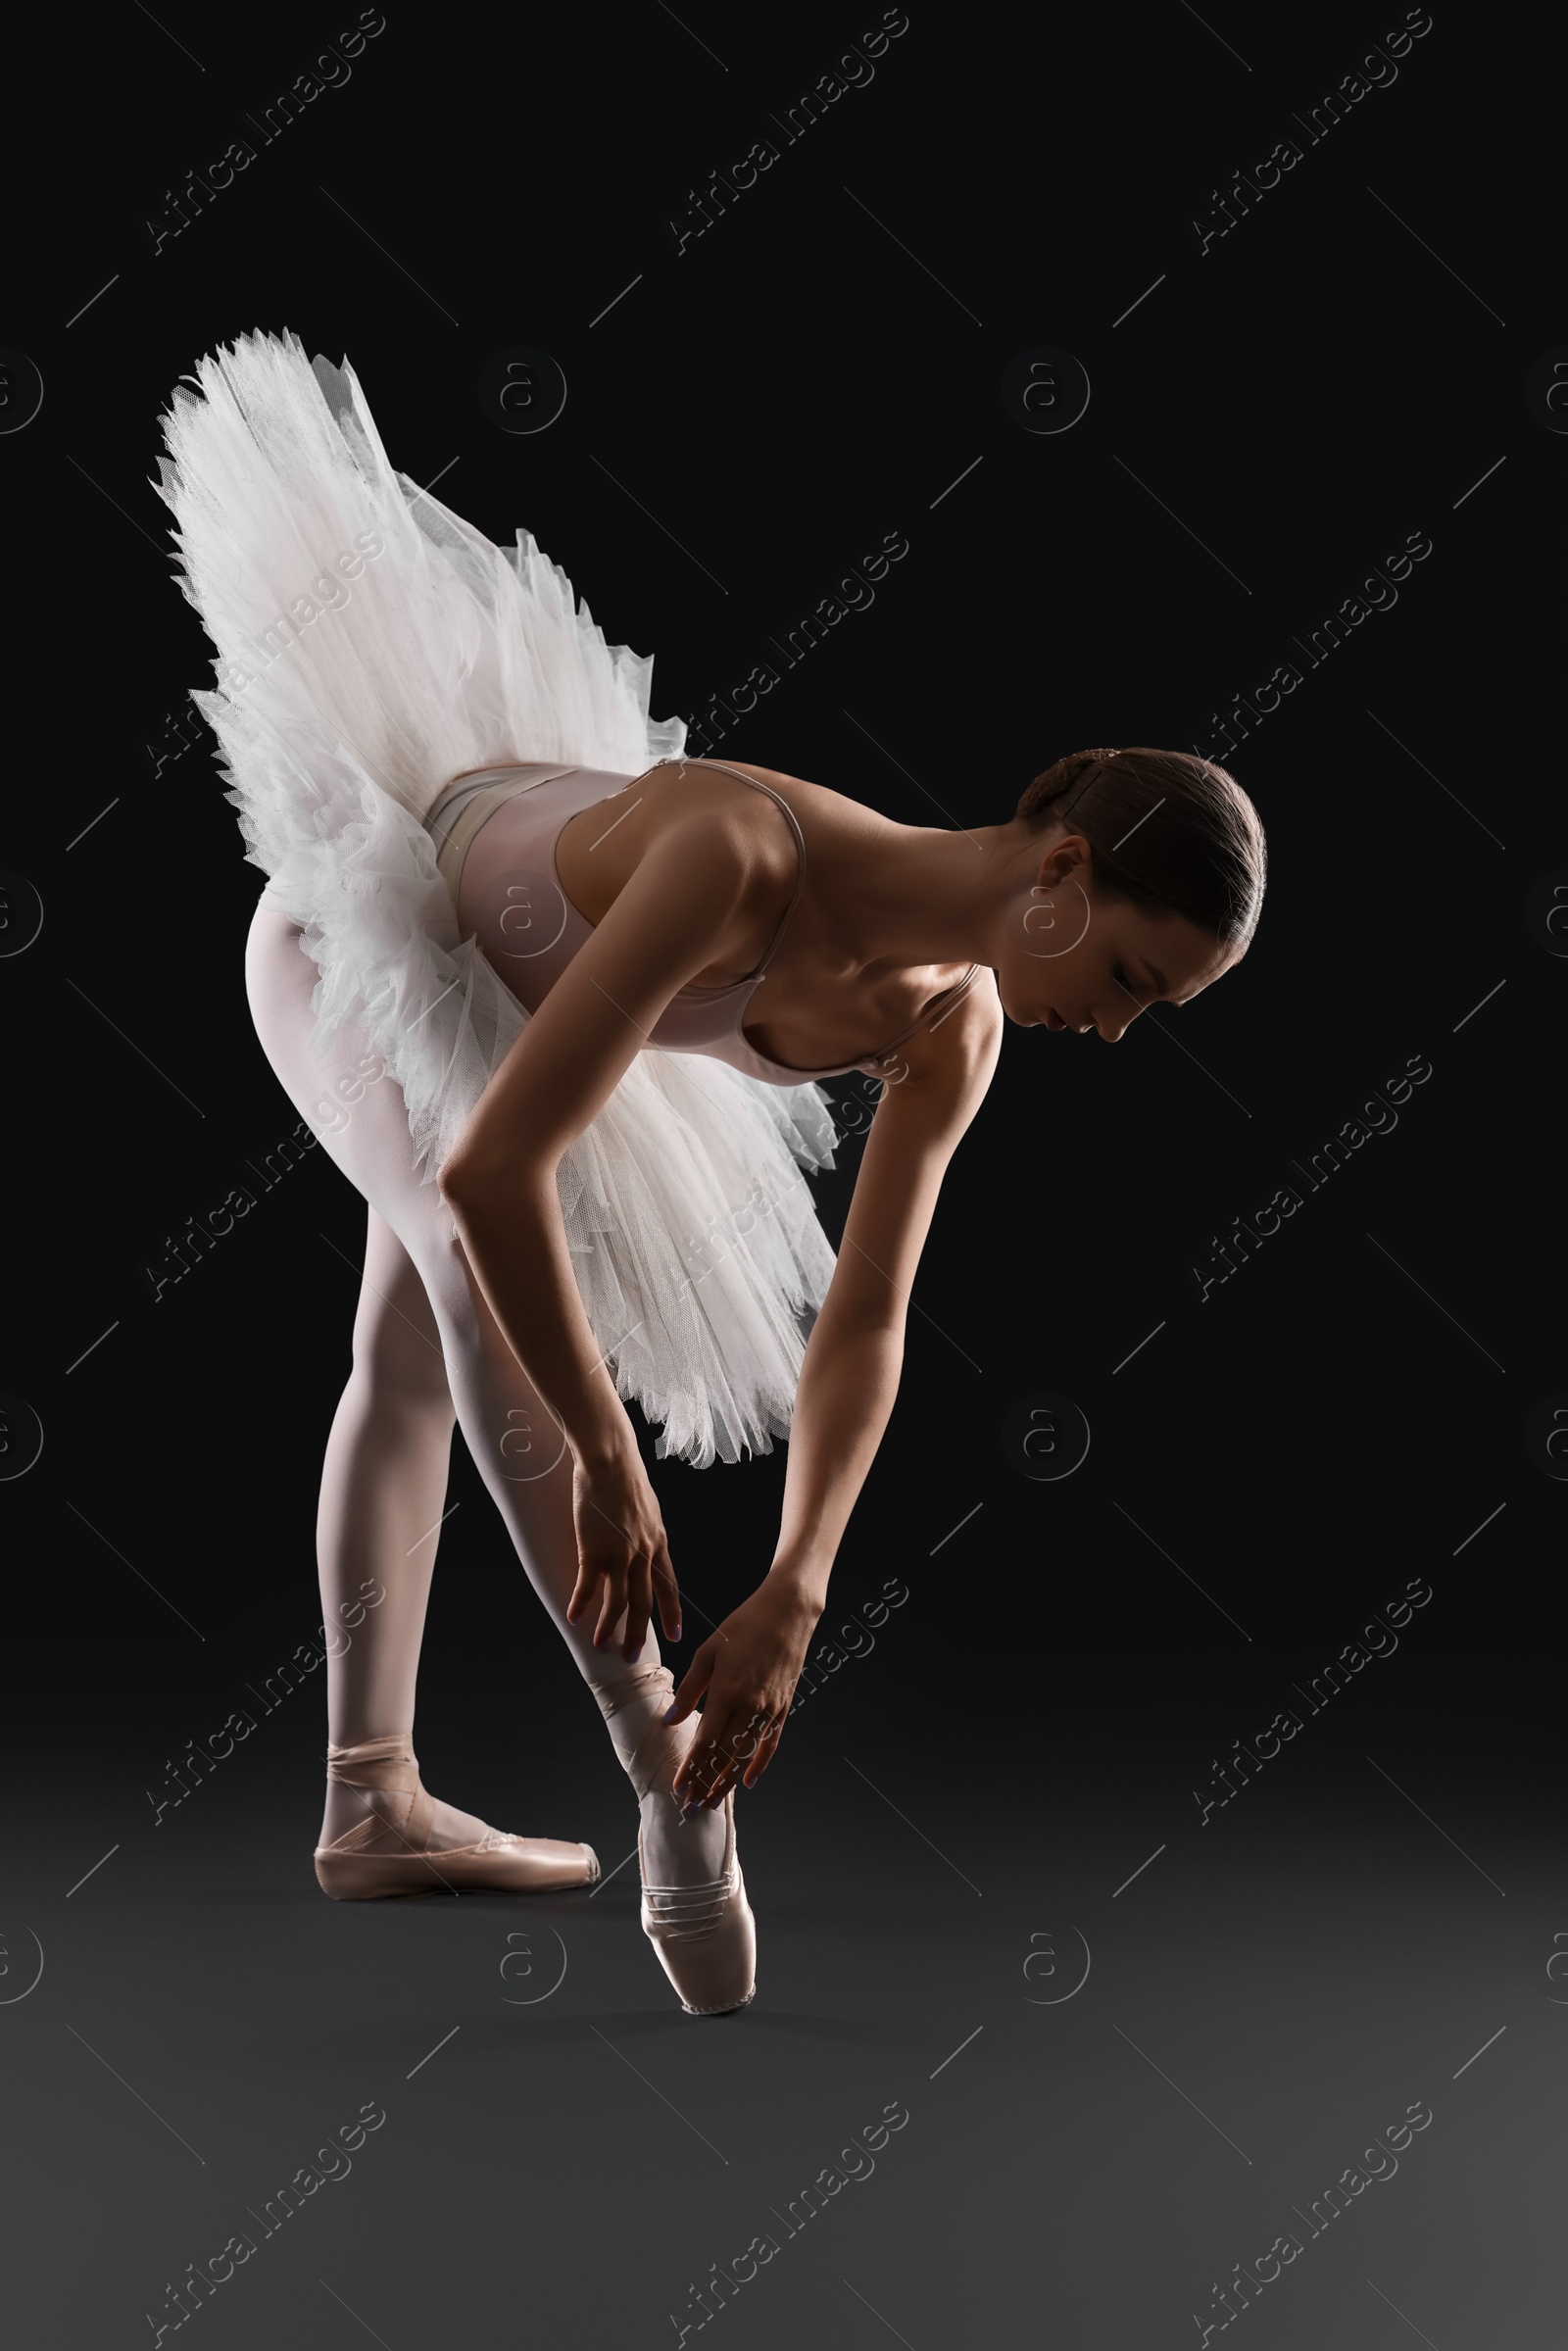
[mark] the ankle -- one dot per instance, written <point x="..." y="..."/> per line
<point x="630" y="1700"/>
<point x="343" y="1808"/>
<point x="368" y="1743"/>
<point x="630" y="1724"/>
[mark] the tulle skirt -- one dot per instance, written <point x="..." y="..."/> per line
<point x="370" y="646"/>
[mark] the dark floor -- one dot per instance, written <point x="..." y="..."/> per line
<point x="1083" y="2091"/>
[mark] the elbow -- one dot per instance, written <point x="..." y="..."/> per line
<point x="462" y="1180"/>
<point x="474" y="1178"/>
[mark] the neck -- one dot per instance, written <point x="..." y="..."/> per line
<point x="926" y="895"/>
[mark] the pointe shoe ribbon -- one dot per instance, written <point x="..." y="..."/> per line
<point x="391" y="1767"/>
<point x="389" y="1852"/>
<point x="704" y="1936"/>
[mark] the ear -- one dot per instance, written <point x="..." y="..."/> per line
<point x="1067" y="859"/>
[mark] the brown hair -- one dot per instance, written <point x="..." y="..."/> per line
<point x="1168" y="829"/>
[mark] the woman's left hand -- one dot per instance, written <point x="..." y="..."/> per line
<point x="748" y="1669"/>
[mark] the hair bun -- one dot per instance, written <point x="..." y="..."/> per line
<point x="1063" y="779"/>
<point x="1203" y="857"/>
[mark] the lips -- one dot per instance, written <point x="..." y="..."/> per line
<point x="1054" y="1020"/>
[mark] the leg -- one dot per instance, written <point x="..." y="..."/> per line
<point x="367" y="1529"/>
<point x="383" y="1482"/>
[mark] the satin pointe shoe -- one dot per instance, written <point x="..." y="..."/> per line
<point x="388" y="1851"/>
<point x="704" y="1936"/>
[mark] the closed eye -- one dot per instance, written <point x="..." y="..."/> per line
<point x="1153" y="988"/>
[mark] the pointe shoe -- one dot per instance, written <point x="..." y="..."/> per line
<point x="704" y="1936"/>
<point x="387" y="1852"/>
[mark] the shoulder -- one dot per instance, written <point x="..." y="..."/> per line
<point x="939" y="1077"/>
<point x="778" y="778"/>
<point x="728" y="815"/>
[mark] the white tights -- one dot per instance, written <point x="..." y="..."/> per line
<point x="427" y="1350"/>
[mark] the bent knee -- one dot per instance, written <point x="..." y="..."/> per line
<point x="399" y="1375"/>
<point x="398" y="1356"/>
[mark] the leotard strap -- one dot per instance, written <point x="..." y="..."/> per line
<point x="949" y="999"/>
<point x="800" y="846"/>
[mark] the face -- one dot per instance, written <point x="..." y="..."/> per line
<point x="1075" y="959"/>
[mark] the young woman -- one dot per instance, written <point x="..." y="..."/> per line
<point x="557" y="1000"/>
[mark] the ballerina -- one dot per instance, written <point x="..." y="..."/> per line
<point x="559" y="1000"/>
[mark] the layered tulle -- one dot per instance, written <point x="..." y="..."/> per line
<point x="371" y="645"/>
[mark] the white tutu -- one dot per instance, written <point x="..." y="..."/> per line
<point x="372" y="645"/>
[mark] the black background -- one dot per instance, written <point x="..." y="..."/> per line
<point x="1275" y="417"/>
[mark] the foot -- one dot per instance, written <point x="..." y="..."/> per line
<point x="347" y="1806"/>
<point x="396" y="1839"/>
<point x="693" y="1909"/>
<point x="678" y="1847"/>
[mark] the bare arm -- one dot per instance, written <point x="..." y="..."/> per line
<point x="847" y="1389"/>
<point x="677" y="913"/>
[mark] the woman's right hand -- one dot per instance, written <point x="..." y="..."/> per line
<point x="623" y="1555"/>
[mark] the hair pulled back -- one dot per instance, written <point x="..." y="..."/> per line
<point x="1168" y="830"/>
